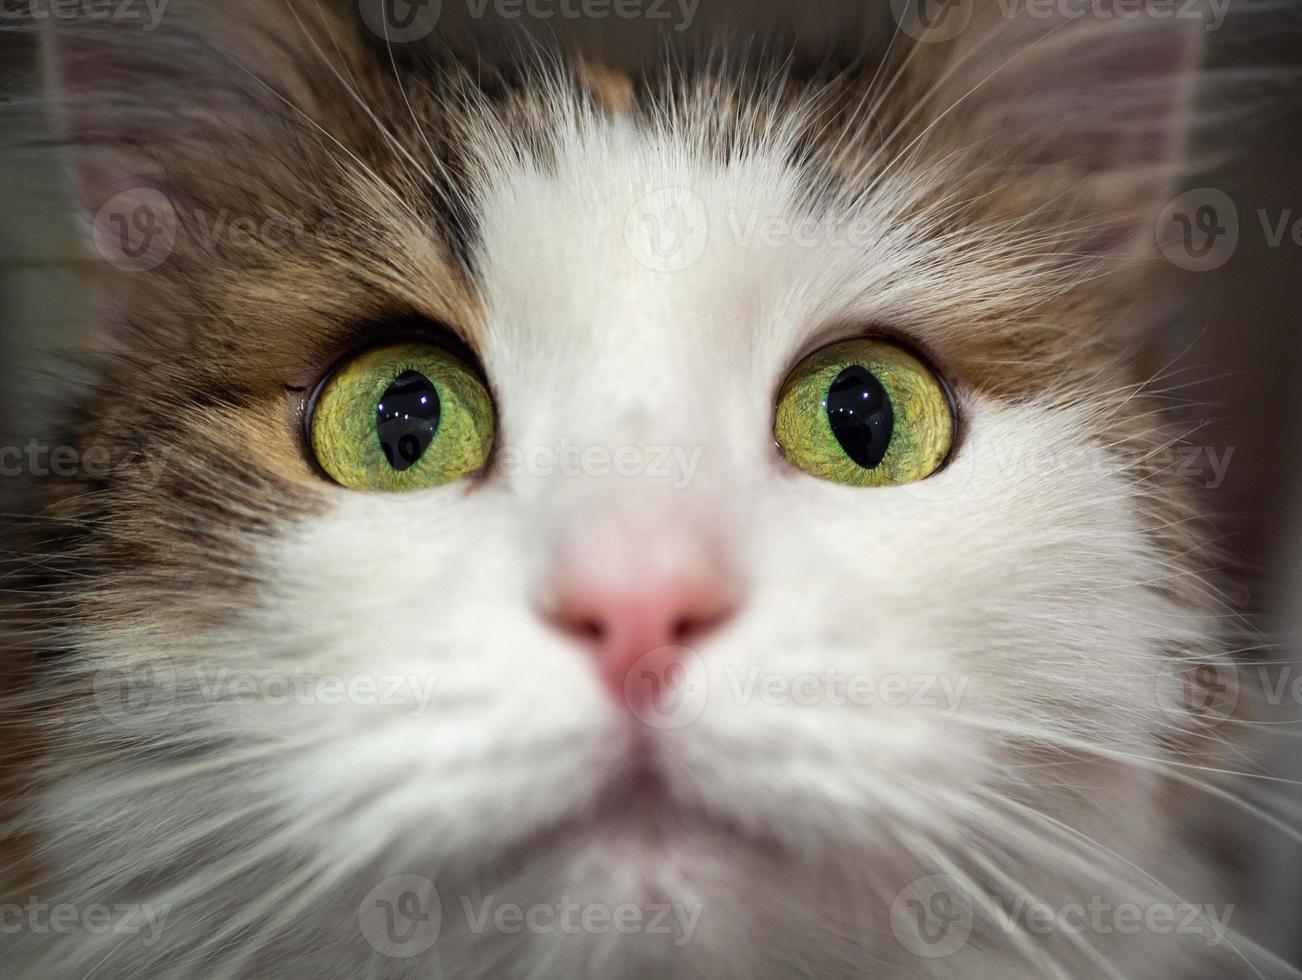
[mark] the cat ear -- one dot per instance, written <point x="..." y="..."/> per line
<point x="141" y="111"/>
<point x="1097" y="95"/>
<point x="102" y="88"/>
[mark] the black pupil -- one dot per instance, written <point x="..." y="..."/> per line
<point x="860" y="413"/>
<point x="407" y="418"/>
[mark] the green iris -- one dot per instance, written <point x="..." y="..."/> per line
<point x="865" y="413"/>
<point x="403" y="417"/>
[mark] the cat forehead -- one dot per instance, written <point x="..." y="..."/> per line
<point x="629" y="235"/>
<point x="632" y="238"/>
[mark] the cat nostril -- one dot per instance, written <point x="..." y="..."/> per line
<point x="682" y="628"/>
<point x="590" y="629"/>
<point x="686" y="627"/>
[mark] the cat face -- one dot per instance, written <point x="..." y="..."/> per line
<point x="640" y="657"/>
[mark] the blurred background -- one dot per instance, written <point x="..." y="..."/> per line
<point x="1232" y="331"/>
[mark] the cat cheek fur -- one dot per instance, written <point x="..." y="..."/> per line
<point x="1039" y="585"/>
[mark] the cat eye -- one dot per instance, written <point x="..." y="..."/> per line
<point x="402" y="417"/>
<point x="865" y="413"/>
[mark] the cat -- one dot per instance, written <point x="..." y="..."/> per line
<point x="615" y="665"/>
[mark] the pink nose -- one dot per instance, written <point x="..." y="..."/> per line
<point x="643" y="632"/>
